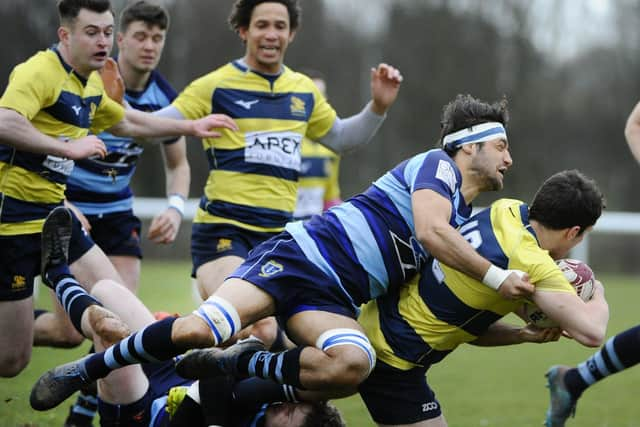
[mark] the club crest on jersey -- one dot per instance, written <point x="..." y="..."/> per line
<point x="270" y="268"/>
<point x="18" y="283"/>
<point x="298" y="107"/>
<point x="223" y="245"/>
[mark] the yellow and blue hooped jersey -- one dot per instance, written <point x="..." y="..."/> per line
<point x="419" y="324"/>
<point x="100" y="186"/>
<point x="60" y="104"/>
<point x="253" y="172"/>
<point x="318" y="181"/>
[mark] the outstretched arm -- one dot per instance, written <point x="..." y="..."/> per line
<point x="431" y="213"/>
<point x="145" y="125"/>
<point x="166" y="224"/>
<point x="18" y="132"/>
<point x="501" y="333"/>
<point x="360" y="128"/>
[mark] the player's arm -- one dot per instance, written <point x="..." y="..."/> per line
<point x="166" y="224"/>
<point x="358" y="130"/>
<point x="431" y="213"/>
<point x="18" y="132"/>
<point x="586" y="322"/>
<point x="632" y="132"/>
<point x="501" y="333"/>
<point x="144" y="125"/>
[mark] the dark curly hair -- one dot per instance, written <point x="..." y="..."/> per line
<point x="241" y="12"/>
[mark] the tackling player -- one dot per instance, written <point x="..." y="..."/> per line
<point x="417" y="325"/>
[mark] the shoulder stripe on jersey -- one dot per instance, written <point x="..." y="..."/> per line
<point x="73" y="109"/>
<point x="242" y="104"/>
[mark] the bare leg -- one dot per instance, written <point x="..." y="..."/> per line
<point x="17" y="336"/>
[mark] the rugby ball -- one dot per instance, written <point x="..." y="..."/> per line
<point x="579" y="275"/>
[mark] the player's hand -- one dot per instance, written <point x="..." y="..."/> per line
<point x="204" y="127"/>
<point x="516" y="287"/>
<point x="84" y="147"/>
<point x="165" y="226"/>
<point x="112" y="81"/>
<point x="385" y="84"/>
<point x="531" y="333"/>
<point x="86" y="225"/>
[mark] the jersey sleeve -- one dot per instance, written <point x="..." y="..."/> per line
<point x="322" y="116"/>
<point x="194" y="102"/>
<point x="435" y="171"/>
<point x="28" y="91"/>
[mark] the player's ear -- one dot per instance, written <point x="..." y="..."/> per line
<point x="119" y="38"/>
<point x="292" y="35"/>
<point x="63" y="34"/>
<point x="242" y="33"/>
<point x="573" y="232"/>
<point x="468" y="148"/>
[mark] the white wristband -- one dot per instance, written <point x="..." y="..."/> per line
<point x="494" y="277"/>
<point x="176" y="202"/>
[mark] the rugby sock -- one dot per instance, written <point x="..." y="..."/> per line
<point x="151" y="344"/>
<point x="283" y="368"/>
<point x="71" y="295"/>
<point x="83" y="411"/>
<point x="253" y="392"/>
<point x="619" y="353"/>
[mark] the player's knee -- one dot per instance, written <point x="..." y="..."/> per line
<point x="12" y="363"/>
<point x="191" y="332"/>
<point x="352" y="357"/>
<point x="69" y="338"/>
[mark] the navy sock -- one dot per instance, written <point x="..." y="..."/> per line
<point x="73" y="297"/>
<point x="619" y="353"/>
<point x="283" y="368"/>
<point x="56" y="272"/>
<point x="253" y="392"/>
<point x="150" y="344"/>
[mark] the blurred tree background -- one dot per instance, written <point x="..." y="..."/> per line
<point x="570" y="75"/>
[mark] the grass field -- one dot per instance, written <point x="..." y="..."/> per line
<point x="497" y="387"/>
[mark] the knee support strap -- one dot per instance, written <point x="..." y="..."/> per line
<point x="221" y="316"/>
<point x="345" y="336"/>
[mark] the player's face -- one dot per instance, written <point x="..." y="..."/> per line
<point x="287" y="414"/>
<point x="140" y="47"/>
<point x="490" y="163"/>
<point x="571" y="238"/>
<point x="267" y="37"/>
<point x="89" y="41"/>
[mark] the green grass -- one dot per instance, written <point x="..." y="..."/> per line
<point x="497" y="387"/>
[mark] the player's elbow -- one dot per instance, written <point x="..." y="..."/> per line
<point x="594" y="337"/>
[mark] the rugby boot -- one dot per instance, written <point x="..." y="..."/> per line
<point x="57" y="384"/>
<point x="214" y="362"/>
<point x="56" y="234"/>
<point x="562" y="404"/>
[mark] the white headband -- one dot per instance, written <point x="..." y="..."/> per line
<point x="476" y="133"/>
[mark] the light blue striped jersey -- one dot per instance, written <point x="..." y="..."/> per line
<point x="98" y="186"/>
<point x="368" y="243"/>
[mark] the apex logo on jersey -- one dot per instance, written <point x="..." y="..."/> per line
<point x="246" y="104"/>
<point x="18" y="283"/>
<point x="298" y="106"/>
<point x="224" y="245"/>
<point x="446" y="174"/>
<point x="281" y="149"/>
<point x="76" y="109"/>
<point x="270" y="268"/>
